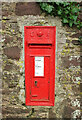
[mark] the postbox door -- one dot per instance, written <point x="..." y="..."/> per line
<point x="40" y="66"/>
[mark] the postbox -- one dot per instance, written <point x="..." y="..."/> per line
<point x="40" y="46"/>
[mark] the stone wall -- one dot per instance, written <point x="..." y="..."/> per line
<point x="67" y="82"/>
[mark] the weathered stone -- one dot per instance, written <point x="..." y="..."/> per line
<point x="8" y="67"/>
<point x="76" y="90"/>
<point x="81" y="61"/>
<point x="68" y="61"/>
<point x="21" y="95"/>
<point x="19" y="39"/>
<point x="12" y="110"/>
<point x="80" y="87"/>
<point x="10" y="80"/>
<point x="5" y="13"/>
<point x="75" y="42"/>
<point x="21" y="82"/>
<point x="67" y="41"/>
<point x="52" y="114"/>
<point x="3" y="26"/>
<point x="74" y="62"/>
<point x="8" y="9"/>
<point x="67" y="112"/>
<point x="6" y="91"/>
<point x="12" y="52"/>
<point x="65" y="61"/>
<point x="75" y="102"/>
<point x="11" y="67"/>
<point x="8" y="39"/>
<point x="76" y="114"/>
<point x="30" y="8"/>
<point x="77" y="35"/>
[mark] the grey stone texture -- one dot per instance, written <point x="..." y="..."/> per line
<point x="68" y="70"/>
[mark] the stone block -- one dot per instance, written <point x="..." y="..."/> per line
<point x="67" y="111"/>
<point x="12" y="52"/>
<point x="30" y="8"/>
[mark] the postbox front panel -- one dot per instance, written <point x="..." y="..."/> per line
<point x="40" y="78"/>
<point x="39" y="67"/>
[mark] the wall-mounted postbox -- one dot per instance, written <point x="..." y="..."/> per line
<point x="40" y="45"/>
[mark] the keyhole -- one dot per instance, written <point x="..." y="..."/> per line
<point x="35" y="83"/>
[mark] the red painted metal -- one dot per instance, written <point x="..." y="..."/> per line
<point x="40" y="45"/>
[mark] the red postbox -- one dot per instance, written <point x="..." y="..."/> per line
<point x="40" y="45"/>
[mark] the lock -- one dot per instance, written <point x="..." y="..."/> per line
<point x="35" y="83"/>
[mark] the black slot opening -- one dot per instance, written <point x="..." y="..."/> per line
<point x="34" y="44"/>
